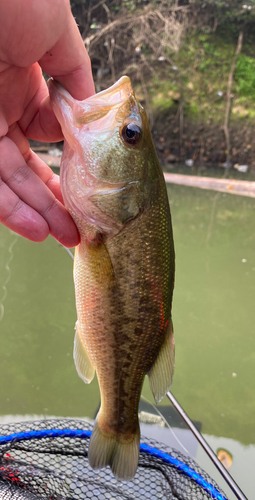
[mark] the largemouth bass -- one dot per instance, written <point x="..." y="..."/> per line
<point x="113" y="187"/>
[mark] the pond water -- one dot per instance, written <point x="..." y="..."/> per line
<point x="213" y="313"/>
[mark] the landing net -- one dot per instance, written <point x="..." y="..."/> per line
<point x="48" y="460"/>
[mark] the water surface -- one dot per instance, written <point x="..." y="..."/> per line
<point x="213" y="312"/>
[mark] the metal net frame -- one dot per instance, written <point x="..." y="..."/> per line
<point x="48" y="460"/>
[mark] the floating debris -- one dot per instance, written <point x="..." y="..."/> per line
<point x="225" y="458"/>
<point x="189" y="163"/>
<point x="150" y="418"/>
<point x="241" y="168"/>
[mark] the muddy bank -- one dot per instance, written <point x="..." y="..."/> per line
<point x="203" y="143"/>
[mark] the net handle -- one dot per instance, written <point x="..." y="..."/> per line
<point x="228" y="478"/>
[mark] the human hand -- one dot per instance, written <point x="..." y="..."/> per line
<point x="36" y="34"/>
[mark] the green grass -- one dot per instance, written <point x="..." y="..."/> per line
<point x="204" y="63"/>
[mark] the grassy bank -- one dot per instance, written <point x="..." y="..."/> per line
<point x="187" y="101"/>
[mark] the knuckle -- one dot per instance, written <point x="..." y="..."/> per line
<point x="50" y="180"/>
<point x="9" y="205"/>
<point x="12" y="212"/>
<point x="20" y="175"/>
<point x="49" y="208"/>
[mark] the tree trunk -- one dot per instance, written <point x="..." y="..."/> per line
<point x="228" y="106"/>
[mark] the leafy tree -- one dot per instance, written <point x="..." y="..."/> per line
<point x="240" y="16"/>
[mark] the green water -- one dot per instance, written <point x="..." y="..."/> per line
<point x="213" y="312"/>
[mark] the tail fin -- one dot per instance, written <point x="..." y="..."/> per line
<point x="121" y="455"/>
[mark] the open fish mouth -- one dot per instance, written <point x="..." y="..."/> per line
<point x="113" y="104"/>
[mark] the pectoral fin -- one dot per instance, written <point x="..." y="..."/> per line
<point x="161" y="373"/>
<point x="83" y="364"/>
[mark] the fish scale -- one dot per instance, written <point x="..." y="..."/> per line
<point x="113" y="186"/>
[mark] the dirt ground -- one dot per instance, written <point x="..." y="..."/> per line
<point x="204" y="144"/>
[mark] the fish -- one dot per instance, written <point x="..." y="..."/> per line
<point x="113" y="186"/>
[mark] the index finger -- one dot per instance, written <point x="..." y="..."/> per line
<point x="27" y="205"/>
<point x="69" y="63"/>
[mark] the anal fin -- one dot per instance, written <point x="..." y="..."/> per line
<point x="161" y="373"/>
<point x="83" y="364"/>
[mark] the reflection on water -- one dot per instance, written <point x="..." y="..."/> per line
<point x="213" y="312"/>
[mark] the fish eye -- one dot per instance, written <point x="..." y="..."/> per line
<point x="131" y="133"/>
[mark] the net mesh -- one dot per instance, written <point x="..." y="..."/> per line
<point x="55" y="467"/>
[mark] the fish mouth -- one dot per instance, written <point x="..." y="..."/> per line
<point x="118" y="97"/>
<point x="115" y="94"/>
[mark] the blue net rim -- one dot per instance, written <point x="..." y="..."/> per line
<point x="144" y="448"/>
